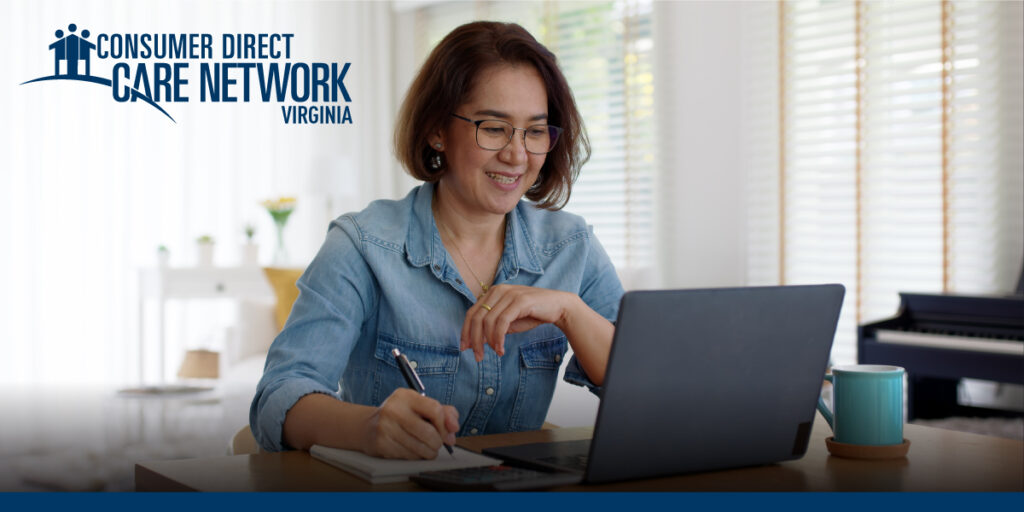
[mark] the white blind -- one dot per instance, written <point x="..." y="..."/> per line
<point x="898" y="150"/>
<point x="605" y="50"/>
<point x="819" y="143"/>
<point x="987" y="145"/>
<point x="902" y="141"/>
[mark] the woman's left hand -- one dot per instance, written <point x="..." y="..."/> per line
<point x="508" y="309"/>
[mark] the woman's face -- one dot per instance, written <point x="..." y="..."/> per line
<point x="482" y="181"/>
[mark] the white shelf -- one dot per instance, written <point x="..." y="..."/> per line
<point x="165" y="283"/>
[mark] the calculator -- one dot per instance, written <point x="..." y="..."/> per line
<point x="494" y="478"/>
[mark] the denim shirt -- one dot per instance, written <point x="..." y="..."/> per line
<point x="384" y="280"/>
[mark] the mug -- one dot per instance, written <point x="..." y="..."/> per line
<point x="868" y="404"/>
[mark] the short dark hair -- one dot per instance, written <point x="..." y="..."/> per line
<point x="448" y="76"/>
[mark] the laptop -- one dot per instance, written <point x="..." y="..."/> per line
<point x="701" y="380"/>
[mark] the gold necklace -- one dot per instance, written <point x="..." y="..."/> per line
<point x="451" y="237"/>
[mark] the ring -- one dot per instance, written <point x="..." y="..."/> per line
<point x="485" y="306"/>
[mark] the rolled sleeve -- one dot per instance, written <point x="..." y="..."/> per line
<point x="574" y="374"/>
<point x="267" y="414"/>
<point x="602" y="291"/>
<point x="312" y="351"/>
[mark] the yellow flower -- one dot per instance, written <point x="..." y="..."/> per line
<point x="280" y="209"/>
<point x="281" y="204"/>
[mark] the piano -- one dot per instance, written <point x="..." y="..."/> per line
<point x="941" y="339"/>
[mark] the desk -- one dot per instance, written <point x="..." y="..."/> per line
<point x="939" y="460"/>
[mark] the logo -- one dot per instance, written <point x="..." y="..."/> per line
<point x="76" y="51"/>
<point x="254" y="68"/>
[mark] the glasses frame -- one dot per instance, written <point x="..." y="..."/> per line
<point x="476" y="134"/>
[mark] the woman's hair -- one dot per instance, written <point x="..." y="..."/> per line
<point x="448" y="76"/>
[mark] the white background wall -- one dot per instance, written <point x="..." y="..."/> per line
<point x="702" y="221"/>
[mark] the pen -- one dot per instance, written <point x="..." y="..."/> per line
<point x="413" y="380"/>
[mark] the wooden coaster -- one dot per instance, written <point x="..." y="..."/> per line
<point x="856" y="451"/>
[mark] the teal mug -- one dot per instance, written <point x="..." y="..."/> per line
<point x="867" y="402"/>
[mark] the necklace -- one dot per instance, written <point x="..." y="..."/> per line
<point x="451" y="237"/>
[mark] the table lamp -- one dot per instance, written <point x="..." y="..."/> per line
<point x="200" y="364"/>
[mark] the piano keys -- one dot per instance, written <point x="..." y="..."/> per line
<point x="941" y="339"/>
<point x="1011" y="346"/>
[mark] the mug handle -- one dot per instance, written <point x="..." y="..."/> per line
<point x="824" y="408"/>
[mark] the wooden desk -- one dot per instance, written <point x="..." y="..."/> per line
<point x="939" y="460"/>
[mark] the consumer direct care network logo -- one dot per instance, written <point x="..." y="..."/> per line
<point x="155" y="68"/>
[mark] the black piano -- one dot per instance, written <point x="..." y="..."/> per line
<point x="941" y="339"/>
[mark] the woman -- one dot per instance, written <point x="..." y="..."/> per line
<point x="481" y="290"/>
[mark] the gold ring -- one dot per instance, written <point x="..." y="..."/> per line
<point x="485" y="306"/>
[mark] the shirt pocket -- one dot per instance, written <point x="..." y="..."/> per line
<point x="539" y="362"/>
<point x="435" y="364"/>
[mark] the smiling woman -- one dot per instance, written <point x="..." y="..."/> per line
<point x="606" y="52"/>
<point x="488" y="121"/>
<point x="471" y="64"/>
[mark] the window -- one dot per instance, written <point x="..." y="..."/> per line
<point x="890" y="147"/>
<point x="604" y="49"/>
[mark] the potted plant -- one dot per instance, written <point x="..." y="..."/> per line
<point x="163" y="256"/>
<point x="205" y="245"/>
<point x="251" y="250"/>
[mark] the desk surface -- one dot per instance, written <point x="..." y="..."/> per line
<point x="939" y="460"/>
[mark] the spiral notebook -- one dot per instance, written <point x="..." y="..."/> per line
<point x="384" y="471"/>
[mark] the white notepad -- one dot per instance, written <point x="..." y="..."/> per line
<point x="383" y="471"/>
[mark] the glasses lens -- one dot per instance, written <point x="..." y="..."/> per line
<point x="493" y="135"/>
<point x="541" y="138"/>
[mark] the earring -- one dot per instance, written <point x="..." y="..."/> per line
<point x="435" y="161"/>
<point x="438" y="146"/>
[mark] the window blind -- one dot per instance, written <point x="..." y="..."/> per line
<point x="901" y="137"/>
<point x="605" y="50"/>
<point x="819" y="151"/>
<point x="898" y="155"/>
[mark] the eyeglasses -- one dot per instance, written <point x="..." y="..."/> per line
<point x="494" y="135"/>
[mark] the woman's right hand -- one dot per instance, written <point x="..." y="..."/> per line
<point x="410" y="426"/>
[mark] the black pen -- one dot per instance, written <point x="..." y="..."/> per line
<point x="413" y="380"/>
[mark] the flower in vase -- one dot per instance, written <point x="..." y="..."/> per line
<point x="280" y="209"/>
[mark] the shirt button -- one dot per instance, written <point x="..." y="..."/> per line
<point x="437" y="267"/>
<point x="558" y="358"/>
<point x="458" y="281"/>
<point x="473" y="431"/>
<point x="489" y="391"/>
<point x="413" y="364"/>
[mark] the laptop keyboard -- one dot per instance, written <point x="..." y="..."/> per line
<point x="577" y="462"/>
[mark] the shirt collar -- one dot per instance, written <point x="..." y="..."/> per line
<point x="520" y="249"/>
<point x="423" y="244"/>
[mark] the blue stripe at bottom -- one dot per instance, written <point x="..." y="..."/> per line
<point x="512" y="502"/>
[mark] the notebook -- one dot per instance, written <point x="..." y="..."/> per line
<point x="700" y="380"/>
<point x="383" y="471"/>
